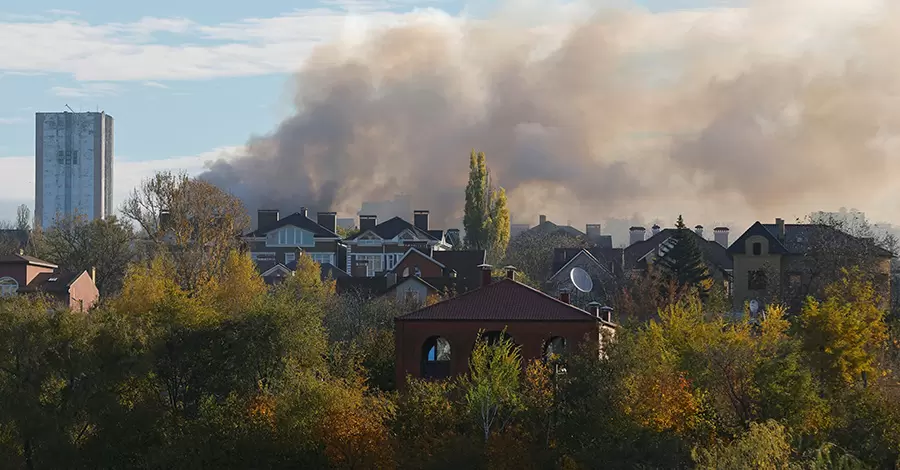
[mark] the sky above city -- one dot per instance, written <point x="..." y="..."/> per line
<point x="191" y="82"/>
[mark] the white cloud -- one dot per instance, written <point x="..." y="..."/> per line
<point x="86" y="90"/>
<point x="11" y="120"/>
<point x="58" y="12"/>
<point x="152" y="84"/>
<point x="127" y="175"/>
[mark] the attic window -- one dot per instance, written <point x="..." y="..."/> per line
<point x="53" y="279"/>
<point x="757" y="249"/>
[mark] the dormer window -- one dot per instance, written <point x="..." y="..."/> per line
<point x="757" y="249"/>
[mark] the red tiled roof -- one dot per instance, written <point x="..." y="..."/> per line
<point x="504" y="300"/>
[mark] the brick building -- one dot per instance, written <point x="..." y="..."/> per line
<point x="21" y="274"/>
<point x="436" y="341"/>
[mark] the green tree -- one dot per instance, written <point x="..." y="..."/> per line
<point x="492" y="388"/>
<point x="101" y="246"/>
<point x="764" y="446"/>
<point x="843" y="334"/>
<point x="684" y="262"/>
<point x="486" y="215"/>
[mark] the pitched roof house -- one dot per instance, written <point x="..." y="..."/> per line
<point x="378" y="247"/>
<point x="22" y="274"/>
<point x="436" y="341"/>
<point x="282" y="240"/>
<point x="785" y="261"/>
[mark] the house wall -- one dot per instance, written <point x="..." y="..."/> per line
<point x="410" y="337"/>
<point x="23" y="273"/>
<point x="83" y="293"/>
<point x="420" y="289"/>
<point x="321" y="246"/>
<point x="428" y="266"/>
<point x="746" y="263"/>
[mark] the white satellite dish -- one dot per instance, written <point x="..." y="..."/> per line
<point x="754" y="306"/>
<point x="581" y="279"/>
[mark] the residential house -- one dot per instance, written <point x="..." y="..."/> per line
<point x="22" y="274"/>
<point x="787" y="262"/>
<point x="546" y="227"/>
<point x="417" y="275"/>
<point x="436" y="341"/>
<point x="378" y="247"/>
<point x="604" y="265"/>
<point x="641" y="253"/>
<point x="283" y="240"/>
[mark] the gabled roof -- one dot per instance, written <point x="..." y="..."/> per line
<point x="758" y="229"/>
<point x="602" y="256"/>
<point x="297" y="220"/>
<point x="277" y="267"/>
<point x="713" y="252"/>
<point x="411" y="279"/>
<point x="57" y="283"/>
<point x="798" y="236"/>
<point x="25" y="259"/>
<point x="505" y="300"/>
<point x="548" y="227"/>
<point x="413" y="250"/>
<point x="332" y="271"/>
<point x="581" y="254"/>
<point x="392" y="227"/>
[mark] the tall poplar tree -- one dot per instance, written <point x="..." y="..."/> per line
<point x="486" y="218"/>
<point x="684" y="262"/>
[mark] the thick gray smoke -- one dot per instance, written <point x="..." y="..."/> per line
<point x="771" y="109"/>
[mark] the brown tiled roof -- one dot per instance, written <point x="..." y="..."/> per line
<point x="504" y="300"/>
<point x="23" y="259"/>
<point x="52" y="282"/>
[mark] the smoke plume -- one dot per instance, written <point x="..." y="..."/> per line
<point x="585" y="113"/>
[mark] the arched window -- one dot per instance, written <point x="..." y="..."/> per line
<point x="436" y="358"/>
<point x="554" y="348"/>
<point x="8" y="287"/>
<point x="493" y="336"/>
<point x="406" y="272"/>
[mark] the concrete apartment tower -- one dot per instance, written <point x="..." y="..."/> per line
<point x="73" y="166"/>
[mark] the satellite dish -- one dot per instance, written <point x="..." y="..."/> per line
<point x="581" y="279"/>
<point x="754" y="306"/>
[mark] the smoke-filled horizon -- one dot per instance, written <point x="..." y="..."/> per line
<point x="586" y="114"/>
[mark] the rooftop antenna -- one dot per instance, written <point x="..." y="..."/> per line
<point x="70" y="108"/>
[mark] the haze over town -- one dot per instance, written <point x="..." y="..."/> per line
<point x="588" y="111"/>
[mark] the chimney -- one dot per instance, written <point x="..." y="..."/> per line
<point x="165" y="220"/>
<point x="594" y="309"/>
<point x="367" y="222"/>
<point x="510" y="272"/>
<point x="656" y="229"/>
<point x="359" y="269"/>
<point x="485" y="274"/>
<point x="606" y="314"/>
<point x="327" y="220"/>
<point x="699" y="230"/>
<point x="779" y="226"/>
<point x="304" y="212"/>
<point x="420" y="220"/>
<point x="636" y="235"/>
<point x="94" y="274"/>
<point x="594" y="233"/>
<point x="564" y="295"/>
<point x="721" y="236"/>
<point x="266" y="218"/>
<point x="542" y="219"/>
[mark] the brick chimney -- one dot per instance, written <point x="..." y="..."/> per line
<point x="655" y="229"/>
<point x="327" y="220"/>
<point x="510" y="272"/>
<point x="606" y="314"/>
<point x="485" y="274"/>
<point x="636" y="234"/>
<point x="165" y="220"/>
<point x="779" y="229"/>
<point x="266" y="218"/>
<point x="360" y="268"/>
<point x="594" y="233"/>
<point x="304" y="212"/>
<point x="721" y="234"/>
<point x="367" y="222"/>
<point x="594" y="309"/>
<point x="699" y="230"/>
<point x="420" y="220"/>
<point x="541" y="219"/>
<point x="564" y="296"/>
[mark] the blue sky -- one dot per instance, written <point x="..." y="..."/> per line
<point x="184" y="80"/>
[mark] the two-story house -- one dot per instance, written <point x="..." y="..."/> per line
<point x="378" y="247"/>
<point x="22" y="274"/>
<point x="786" y="262"/>
<point x="283" y="240"/>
